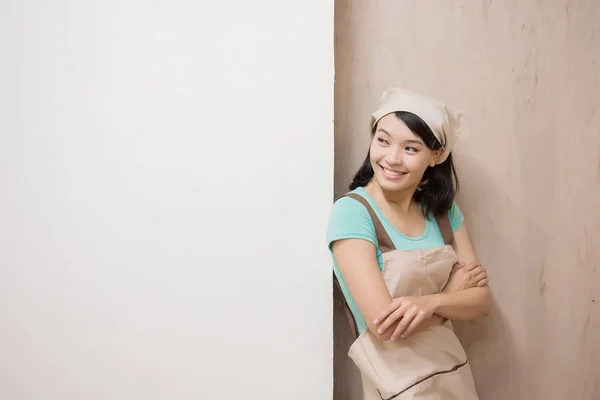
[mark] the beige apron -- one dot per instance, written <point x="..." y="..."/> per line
<point x="430" y="364"/>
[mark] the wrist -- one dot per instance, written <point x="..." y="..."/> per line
<point x="438" y="301"/>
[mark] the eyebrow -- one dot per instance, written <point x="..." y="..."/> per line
<point x="415" y="141"/>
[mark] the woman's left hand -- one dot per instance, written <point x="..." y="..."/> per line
<point x="411" y="311"/>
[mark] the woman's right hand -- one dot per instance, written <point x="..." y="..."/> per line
<point x="465" y="276"/>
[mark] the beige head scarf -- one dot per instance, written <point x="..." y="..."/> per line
<point x="444" y="123"/>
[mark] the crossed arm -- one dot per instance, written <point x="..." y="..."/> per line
<point x="465" y="297"/>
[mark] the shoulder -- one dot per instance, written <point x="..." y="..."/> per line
<point x="348" y="206"/>
<point x="455" y="216"/>
<point x="349" y="219"/>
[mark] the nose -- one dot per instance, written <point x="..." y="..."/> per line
<point x="394" y="157"/>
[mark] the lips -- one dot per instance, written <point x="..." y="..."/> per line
<point x="392" y="173"/>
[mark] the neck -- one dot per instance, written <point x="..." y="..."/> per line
<point x="399" y="200"/>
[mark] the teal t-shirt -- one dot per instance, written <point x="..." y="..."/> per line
<point x="350" y="219"/>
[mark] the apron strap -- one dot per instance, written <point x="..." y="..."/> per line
<point x="384" y="240"/>
<point x="445" y="229"/>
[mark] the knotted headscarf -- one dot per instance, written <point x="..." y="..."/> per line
<point x="443" y="122"/>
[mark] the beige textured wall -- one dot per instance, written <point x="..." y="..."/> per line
<point x="527" y="76"/>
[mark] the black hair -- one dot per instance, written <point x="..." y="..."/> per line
<point x="440" y="182"/>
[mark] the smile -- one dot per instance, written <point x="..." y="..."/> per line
<point x="391" y="173"/>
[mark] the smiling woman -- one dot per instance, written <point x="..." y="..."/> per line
<point x="407" y="133"/>
<point x="403" y="258"/>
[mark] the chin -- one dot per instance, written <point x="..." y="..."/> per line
<point x="391" y="186"/>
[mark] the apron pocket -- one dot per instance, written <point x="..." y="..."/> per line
<point x="396" y="367"/>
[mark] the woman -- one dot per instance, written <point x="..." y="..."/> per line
<point x="403" y="258"/>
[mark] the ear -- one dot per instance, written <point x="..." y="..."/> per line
<point x="435" y="156"/>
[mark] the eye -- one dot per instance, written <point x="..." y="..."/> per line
<point x="382" y="141"/>
<point x="411" y="149"/>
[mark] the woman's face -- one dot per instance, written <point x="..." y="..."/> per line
<point x="398" y="156"/>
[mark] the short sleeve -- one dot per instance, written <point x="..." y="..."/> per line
<point x="455" y="216"/>
<point x="349" y="219"/>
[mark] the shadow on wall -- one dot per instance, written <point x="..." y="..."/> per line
<point x="486" y="339"/>
<point x="346" y="376"/>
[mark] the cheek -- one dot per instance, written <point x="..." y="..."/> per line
<point x="419" y="164"/>
<point x="375" y="153"/>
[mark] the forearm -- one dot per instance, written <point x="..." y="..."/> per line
<point x="464" y="305"/>
<point x="434" y="320"/>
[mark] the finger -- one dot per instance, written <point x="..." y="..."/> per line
<point x="409" y="315"/>
<point x="483" y="282"/>
<point x="392" y="318"/>
<point x="481" y="275"/>
<point x="387" y="311"/>
<point x="472" y="265"/>
<point x="414" y="324"/>
<point x="477" y="270"/>
<point x="476" y="275"/>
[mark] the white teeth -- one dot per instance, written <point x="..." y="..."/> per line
<point x="390" y="172"/>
